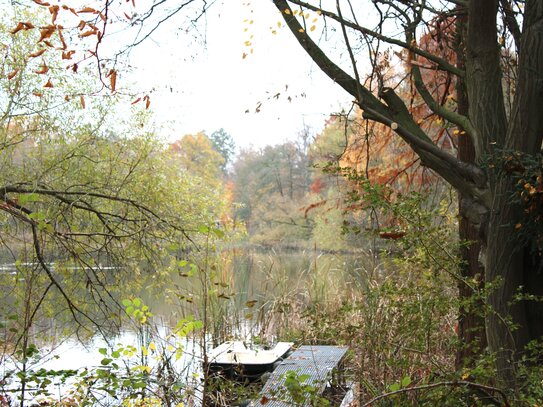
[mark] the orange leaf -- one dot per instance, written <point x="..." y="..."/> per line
<point x="37" y="53"/>
<point x="42" y="3"/>
<point x="112" y="79"/>
<point x="20" y="26"/>
<point x="88" y="33"/>
<point x="88" y="10"/>
<point x="64" y="46"/>
<point x="12" y="74"/>
<point x="147" y="101"/>
<point x="68" y="54"/>
<point x="67" y="98"/>
<point x="135" y="101"/>
<point x="38" y="94"/>
<point x="54" y="13"/>
<point x="65" y="7"/>
<point x="49" y="84"/>
<point x="49" y="44"/>
<point x="81" y="25"/>
<point x="46" y="32"/>
<point x="82" y="100"/>
<point x="43" y="70"/>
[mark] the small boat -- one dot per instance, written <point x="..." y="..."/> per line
<point x="244" y="361"/>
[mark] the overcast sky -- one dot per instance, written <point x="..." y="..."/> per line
<point x="206" y="84"/>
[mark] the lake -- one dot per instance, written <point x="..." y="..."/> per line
<point x="245" y="294"/>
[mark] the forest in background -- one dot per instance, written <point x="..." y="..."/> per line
<point x="100" y="216"/>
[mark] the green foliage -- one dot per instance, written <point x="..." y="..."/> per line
<point x="224" y="144"/>
<point x="301" y="392"/>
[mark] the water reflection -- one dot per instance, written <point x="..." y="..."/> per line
<point x="242" y="294"/>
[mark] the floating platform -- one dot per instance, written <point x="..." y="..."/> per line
<point x="319" y="366"/>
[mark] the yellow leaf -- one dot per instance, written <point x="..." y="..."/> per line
<point x="312" y="28"/>
<point x="295" y="12"/>
<point x="301" y="30"/>
<point x="251" y="303"/>
<point x="287" y="11"/>
<point x="82" y="101"/>
<point x="518" y="226"/>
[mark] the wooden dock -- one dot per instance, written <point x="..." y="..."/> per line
<point x="319" y="367"/>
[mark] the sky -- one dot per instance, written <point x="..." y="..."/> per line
<point x="204" y="83"/>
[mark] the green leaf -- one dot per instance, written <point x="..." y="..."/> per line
<point x="127" y="303"/>
<point x="137" y="302"/>
<point x="406" y="381"/>
<point x="103" y="351"/>
<point x="394" y="387"/>
<point x="218" y="232"/>
<point x="105" y="361"/>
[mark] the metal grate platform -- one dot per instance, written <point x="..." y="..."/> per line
<point x="317" y="362"/>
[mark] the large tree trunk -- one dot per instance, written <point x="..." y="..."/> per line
<point x="512" y="264"/>
<point x="471" y="322"/>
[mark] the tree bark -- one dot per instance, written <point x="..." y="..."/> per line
<point x="471" y="323"/>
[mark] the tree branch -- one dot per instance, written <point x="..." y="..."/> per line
<point x="441" y="63"/>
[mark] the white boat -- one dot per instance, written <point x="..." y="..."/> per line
<point x="241" y="360"/>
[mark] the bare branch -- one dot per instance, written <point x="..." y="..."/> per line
<point x="440" y="63"/>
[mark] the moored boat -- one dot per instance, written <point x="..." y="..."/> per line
<point x="243" y="361"/>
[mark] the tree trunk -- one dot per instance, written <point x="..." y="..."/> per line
<point x="514" y="258"/>
<point x="471" y="323"/>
